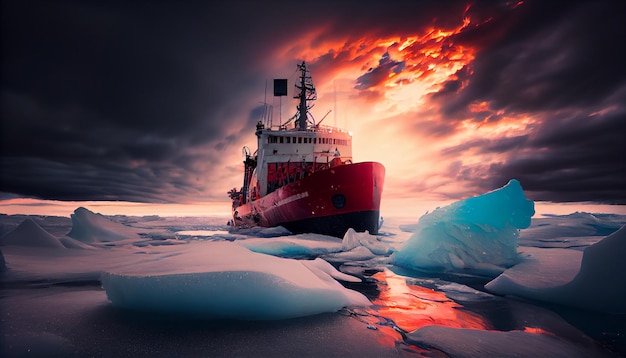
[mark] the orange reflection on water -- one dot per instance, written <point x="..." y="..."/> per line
<point x="536" y="330"/>
<point x="411" y="307"/>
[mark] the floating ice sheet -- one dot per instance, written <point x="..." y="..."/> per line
<point x="593" y="279"/>
<point x="225" y="280"/>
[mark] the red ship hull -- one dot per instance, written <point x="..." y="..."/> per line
<point x="326" y="202"/>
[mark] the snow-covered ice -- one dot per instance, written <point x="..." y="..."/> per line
<point x="594" y="279"/>
<point x="225" y="280"/>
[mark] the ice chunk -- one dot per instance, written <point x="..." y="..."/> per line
<point x="90" y="227"/>
<point x="594" y="280"/>
<point x="225" y="280"/>
<point x="353" y="239"/>
<point x="295" y="245"/>
<point x="360" y="253"/>
<point x="329" y="270"/>
<point x="479" y="233"/>
<point x="29" y="233"/>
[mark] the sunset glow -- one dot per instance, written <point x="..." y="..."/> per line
<point x="394" y="76"/>
<point x="66" y="208"/>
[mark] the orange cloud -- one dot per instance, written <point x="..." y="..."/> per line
<point x="389" y="89"/>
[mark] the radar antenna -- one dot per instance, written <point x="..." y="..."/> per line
<point x="305" y="98"/>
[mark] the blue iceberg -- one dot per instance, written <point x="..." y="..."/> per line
<point x="478" y="234"/>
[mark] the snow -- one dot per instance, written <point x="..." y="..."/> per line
<point x="74" y="244"/>
<point x="479" y="234"/>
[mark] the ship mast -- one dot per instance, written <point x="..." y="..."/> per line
<point x="306" y="97"/>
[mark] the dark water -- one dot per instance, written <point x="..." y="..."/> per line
<point x="80" y="322"/>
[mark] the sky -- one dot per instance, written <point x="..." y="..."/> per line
<point x="152" y="102"/>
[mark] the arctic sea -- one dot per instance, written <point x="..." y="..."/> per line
<point x="449" y="284"/>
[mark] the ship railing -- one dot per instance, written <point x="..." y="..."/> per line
<point x="318" y="129"/>
<point x="329" y="129"/>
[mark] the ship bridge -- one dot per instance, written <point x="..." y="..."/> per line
<point x="286" y="156"/>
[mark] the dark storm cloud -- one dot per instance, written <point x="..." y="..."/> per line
<point x="561" y="62"/>
<point x="555" y="55"/>
<point x="137" y="100"/>
<point x="569" y="158"/>
<point x="115" y="100"/>
<point x="585" y="161"/>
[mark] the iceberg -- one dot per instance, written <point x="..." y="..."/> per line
<point x="217" y="280"/>
<point x="29" y="233"/>
<point x="477" y="234"/>
<point x="89" y="227"/>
